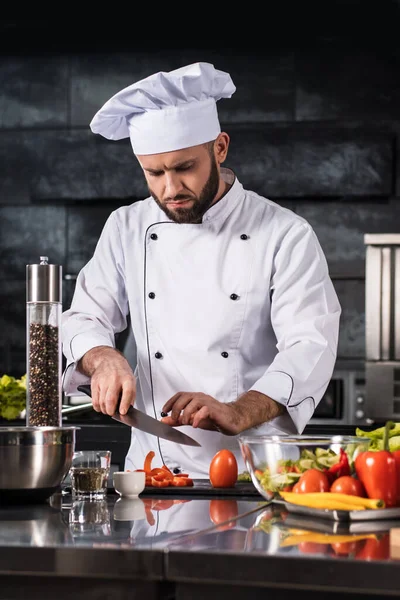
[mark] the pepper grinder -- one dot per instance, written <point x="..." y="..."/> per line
<point x="43" y="344"/>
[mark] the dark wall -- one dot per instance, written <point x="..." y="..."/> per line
<point x="314" y="125"/>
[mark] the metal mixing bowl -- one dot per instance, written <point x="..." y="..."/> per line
<point x="34" y="462"/>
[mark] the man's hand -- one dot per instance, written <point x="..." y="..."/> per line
<point x="111" y="377"/>
<point x="200" y="410"/>
<point x="231" y="418"/>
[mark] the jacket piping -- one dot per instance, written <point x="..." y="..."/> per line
<point x="145" y="320"/>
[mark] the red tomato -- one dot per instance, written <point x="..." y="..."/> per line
<point x="223" y="469"/>
<point x="223" y="510"/>
<point x="348" y="485"/>
<point x="347" y="548"/>
<point x="313" y="548"/>
<point x="312" y="481"/>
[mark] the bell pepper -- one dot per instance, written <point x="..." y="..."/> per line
<point x="342" y="467"/>
<point x="396" y="455"/>
<point x="377" y="471"/>
<point x="377" y="548"/>
<point x="148" y="460"/>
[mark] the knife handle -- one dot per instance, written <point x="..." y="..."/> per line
<point x="86" y="389"/>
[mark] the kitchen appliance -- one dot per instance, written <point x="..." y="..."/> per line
<point x="34" y="462"/>
<point x="43" y="343"/>
<point x="382" y="325"/>
<point x="343" y="402"/>
<point x="138" y="419"/>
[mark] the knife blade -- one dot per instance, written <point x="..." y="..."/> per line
<point x="140" y="420"/>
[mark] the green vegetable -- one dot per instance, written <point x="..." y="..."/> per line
<point x="12" y="396"/>
<point x="378" y="433"/>
<point x="245" y="476"/>
<point x="376" y="437"/>
<point x="278" y="481"/>
<point x="394" y="443"/>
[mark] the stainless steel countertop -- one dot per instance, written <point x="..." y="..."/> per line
<point x="167" y="539"/>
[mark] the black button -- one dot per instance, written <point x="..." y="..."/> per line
<point x="176" y="470"/>
<point x="224" y="354"/>
<point x="154" y="236"/>
<point x="244" y="236"/>
<point x="152" y="295"/>
<point x="158" y="355"/>
<point x="234" y="296"/>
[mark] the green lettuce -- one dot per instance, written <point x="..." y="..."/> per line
<point x="12" y="396"/>
<point x="378" y="433"/>
<point x="376" y="437"/>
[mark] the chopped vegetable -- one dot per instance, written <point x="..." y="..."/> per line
<point x="245" y="476"/>
<point x="161" y="477"/>
<point x="288" y="472"/>
<point x="340" y="468"/>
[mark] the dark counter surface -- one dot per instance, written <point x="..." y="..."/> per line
<point x="168" y="547"/>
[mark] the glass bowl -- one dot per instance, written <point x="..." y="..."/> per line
<point x="276" y="463"/>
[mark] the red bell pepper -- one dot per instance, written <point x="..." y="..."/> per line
<point x="377" y="471"/>
<point x="342" y="467"/>
<point x="375" y="548"/>
<point x="396" y="455"/>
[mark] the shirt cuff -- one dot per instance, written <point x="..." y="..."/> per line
<point x="279" y="386"/>
<point x="71" y="379"/>
<point x="83" y="342"/>
<point x="79" y="345"/>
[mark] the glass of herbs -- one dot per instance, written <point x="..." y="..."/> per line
<point x="89" y="473"/>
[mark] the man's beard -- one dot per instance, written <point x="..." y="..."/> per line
<point x="200" y="205"/>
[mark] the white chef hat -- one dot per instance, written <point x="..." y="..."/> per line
<point x="166" y="111"/>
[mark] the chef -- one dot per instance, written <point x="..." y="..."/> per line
<point x="231" y="305"/>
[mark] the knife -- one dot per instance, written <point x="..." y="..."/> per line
<point x="139" y="420"/>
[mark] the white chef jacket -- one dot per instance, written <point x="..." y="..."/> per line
<point x="242" y="301"/>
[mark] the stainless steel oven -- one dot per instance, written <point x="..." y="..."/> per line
<point x="382" y="325"/>
<point x="344" y="400"/>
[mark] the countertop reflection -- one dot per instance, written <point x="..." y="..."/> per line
<point x="116" y="522"/>
<point x="190" y="524"/>
<point x="148" y="523"/>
